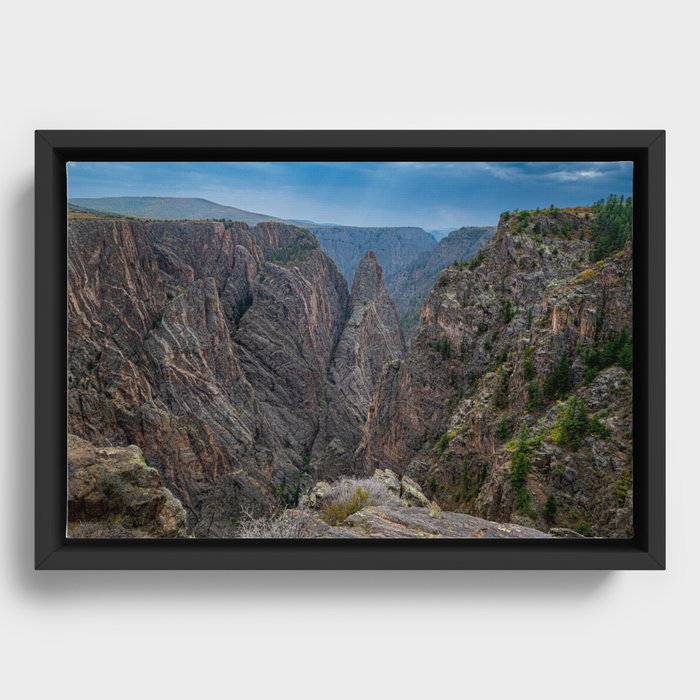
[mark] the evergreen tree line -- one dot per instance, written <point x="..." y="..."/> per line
<point x="612" y="226"/>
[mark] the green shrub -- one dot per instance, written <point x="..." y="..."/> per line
<point x="444" y="347"/>
<point x="296" y="251"/>
<point x="519" y="470"/>
<point x="621" y="487"/>
<point x="500" y="395"/>
<point x="520" y="462"/>
<point x="535" y="402"/>
<point x="508" y="312"/>
<point x="550" y="508"/>
<point x="528" y="367"/>
<point x="558" y="382"/>
<point x="290" y="497"/>
<point x="572" y="425"/>
<point x="616" y="350"/>
<point x="612" y="226"/>
<point x="477" y="260"/>
<point x="442" y="443"/>
<point x="598" y="428"/>
<point x="465" y="480"/>
<point x="503" y="428"/>
<point x="336" y="512"/>
<point x="583" y="528"/>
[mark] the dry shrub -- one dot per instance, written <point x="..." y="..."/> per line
<point x="283" y="526"/>
<point x="377" y="492"/>
<point x="336" y="511"/>
<point x="348" y="496"/>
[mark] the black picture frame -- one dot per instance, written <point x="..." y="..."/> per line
<point x="646" y="550"/>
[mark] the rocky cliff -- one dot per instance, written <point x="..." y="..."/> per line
<point x="514" y="399"/>
<point x="371" y="337"/>
<point x="207" y="345"/>
<point x="409" y="286"/>
<point x="396" y="248"/>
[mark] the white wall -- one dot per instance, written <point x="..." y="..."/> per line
<point x="126" y="65"/>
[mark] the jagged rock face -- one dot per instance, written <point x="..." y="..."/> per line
<point x="410" y="286"/>
<point x="206" y="345"/>
<point x="396" y="248"/>
<point x="113" y="493"/>
<point x="371" y="337"/>
<point x="483" y="366"/>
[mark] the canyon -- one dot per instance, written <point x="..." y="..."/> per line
<point x="247" y="372"/>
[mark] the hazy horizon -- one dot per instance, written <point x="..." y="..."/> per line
<point x="432" y="195"/>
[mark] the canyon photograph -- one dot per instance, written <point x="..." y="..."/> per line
<point x="390" y="350"/>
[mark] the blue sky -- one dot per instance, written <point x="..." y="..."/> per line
<point x="428" y="194"/>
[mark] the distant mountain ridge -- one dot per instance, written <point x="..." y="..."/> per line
<point x="410" y="286"/>
<point x="170" y="208"/>
<point x="396" y="247"/>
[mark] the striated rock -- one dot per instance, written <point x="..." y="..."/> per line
<point x="371" y="337"/>
<point x="208" y="345"/>
<point x="112" y="492"/>
<point x="411" y="522"/>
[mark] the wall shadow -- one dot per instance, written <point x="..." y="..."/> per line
<point x="51" y="587"/>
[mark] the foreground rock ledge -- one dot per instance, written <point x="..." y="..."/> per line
<point x="395" y="508"/>
<point x="114" y="494"/>
<point x="407" y="522"/>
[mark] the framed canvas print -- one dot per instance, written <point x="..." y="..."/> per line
<point x="350" y="350"/>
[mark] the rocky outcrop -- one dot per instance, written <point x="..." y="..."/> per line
<point x="208" y="345"/>
<point x="410" y="286"/>
<point x="478" y="411"/>
<point x="371" y="337"/>
<point x="396" y="248"/>
<point x="380" y="507"/>
<point x="113" y="493"/>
